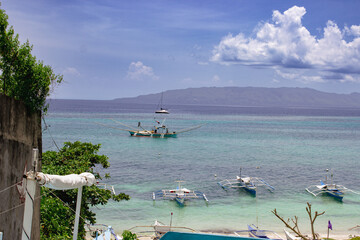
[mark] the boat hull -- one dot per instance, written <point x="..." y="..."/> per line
<point x="180" y="200"/>
<point x="151" y="134"/>
<point x="338" y="195"/>
<point x="249" y="187"/>
<point x="251" y="190"/>
<point x="256" y="233"/>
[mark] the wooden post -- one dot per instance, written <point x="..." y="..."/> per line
<point x="328" y="234"/>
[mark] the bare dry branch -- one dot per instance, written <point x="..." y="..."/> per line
<point x="295" y="228"/>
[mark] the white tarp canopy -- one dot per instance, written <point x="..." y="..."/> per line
<point x="65" y="182"/>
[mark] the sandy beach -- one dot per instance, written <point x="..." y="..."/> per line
<point x="337" y="236"/>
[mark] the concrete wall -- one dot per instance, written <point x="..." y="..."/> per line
<point x="20" y="132"/>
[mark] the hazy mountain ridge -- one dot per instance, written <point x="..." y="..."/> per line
<point x="250" y="96"/>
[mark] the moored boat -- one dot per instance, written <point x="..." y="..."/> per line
<point x="160" y="109"/>
<point x="158" y="131"/>
<point x="249" y="184"/>
<point x="331" y="189"/>
<point x="179" y="194"/>
<point x="290" y="236"/>
<point x="255" y="232"/>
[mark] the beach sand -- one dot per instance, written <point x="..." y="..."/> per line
<point x="343" y="236"/>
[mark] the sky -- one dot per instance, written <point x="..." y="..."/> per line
<point x="108" y="49"/>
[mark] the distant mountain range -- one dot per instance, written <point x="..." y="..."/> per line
<point x="250" y="97"/>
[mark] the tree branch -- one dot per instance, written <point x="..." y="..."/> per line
<point x="295" y="228"/>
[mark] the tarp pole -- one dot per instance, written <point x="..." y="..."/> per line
<point x="29" y="205"/>
<point x="77" y="214"/>
<point x="30" y="189"/>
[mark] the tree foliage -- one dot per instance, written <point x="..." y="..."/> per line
<point x="127" y="235"/>
<point x="57" y="218"/>
<point x="21" y="75"/>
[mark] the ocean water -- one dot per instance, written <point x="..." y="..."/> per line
<point x="288" y="148"/>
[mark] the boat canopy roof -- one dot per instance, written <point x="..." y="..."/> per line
<point x="244" y="179"/>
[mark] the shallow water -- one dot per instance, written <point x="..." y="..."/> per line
<point x="290" y="151"/>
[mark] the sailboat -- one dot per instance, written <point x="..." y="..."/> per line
<point x="160" y="108"/>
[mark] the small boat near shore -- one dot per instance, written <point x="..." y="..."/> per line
<point x="290" y="236"/>
<point x="250" y="184"/>
<point x="331" y="189"/>
<point x="179" y="194"/>
<point x="255" y="232"/>
<point x="157" y="230"/>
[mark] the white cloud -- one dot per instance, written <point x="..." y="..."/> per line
<point x="71" y="71"/>
<point x="355" y="30"/>
<point x="310" y="76"/>
<point x="138" y="71"/>
<point x="285" y="43"/>
<point x="216" y="79"/>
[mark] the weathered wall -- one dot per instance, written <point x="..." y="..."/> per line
<point x="20" y="132"/>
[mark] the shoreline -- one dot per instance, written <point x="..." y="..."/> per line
<point x="228" y="232"/>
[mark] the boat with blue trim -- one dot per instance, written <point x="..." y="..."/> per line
<point x="179" y="194"/>
<point x="250" y="184"/>
<point x="331" y="189"/>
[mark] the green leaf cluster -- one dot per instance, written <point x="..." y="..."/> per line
<point x="22" y="76"/>
<point x="57" y="218"/>
<point x="127" y="235"/>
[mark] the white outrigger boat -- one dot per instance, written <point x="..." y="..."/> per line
<point x="250" y="184"/>
<point x="331" y="189"/>
<point x="179" y="194"/>
<point x="290" y="236"/>
<point x="255" y="232"/>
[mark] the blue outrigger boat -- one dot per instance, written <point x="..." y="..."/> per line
<point x="249" y="184"/>
<point x="255" y="232"/>
<point x="330" y="189"/>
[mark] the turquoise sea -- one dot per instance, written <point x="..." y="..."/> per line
<point x="288" y="148"/>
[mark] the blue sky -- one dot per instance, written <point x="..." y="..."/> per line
<point x="110" y="49"/>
